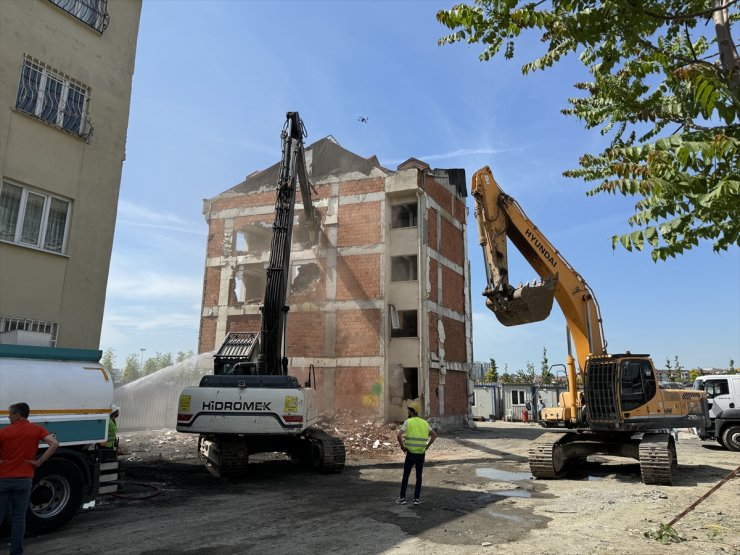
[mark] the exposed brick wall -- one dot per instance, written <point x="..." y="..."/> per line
<point x="459" y="210"/>
<point x="361" y="186"/>
<point x="207" y="334"/>
<point x="315" y="291"/>
<point x="432" y="227"/>
<point x="456" y="392"/>
<point x="433" y="280"/>
<point x="358" y="277"/>
<point x="242" y="201"/>
<point x="452" y="242"/>
<point x="359" y="389"/>
<point x="359" y="224"/>
<point x="454" y="340"/>
<point x="433" y="335"/>
<point x="211" y="286"/>
<point x="215" y="238"/>
<point x="453" y="290"/>
<point x="439" y="193"/>
<point x="433" y="392"/>
<point x="306" y="334"/>
<point x="244" y="322"/>
<point x="358" y="333"/>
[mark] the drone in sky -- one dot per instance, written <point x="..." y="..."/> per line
<point x="362" y="119"/>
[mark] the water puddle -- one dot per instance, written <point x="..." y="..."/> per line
<point x="512" y="493"/>
<point x="502" y="475"/>
<point x="506" y="516"/>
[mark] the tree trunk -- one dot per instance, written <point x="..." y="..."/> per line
<point x="728" y="55"/>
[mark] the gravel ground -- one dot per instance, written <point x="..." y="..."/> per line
<point x="478" y="497"/>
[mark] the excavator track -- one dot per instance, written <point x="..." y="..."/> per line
<point x="546" y="458"/>
<point x="327" y="453"/>
<point x="225" y="458"/>
<point x="657" y="459"/>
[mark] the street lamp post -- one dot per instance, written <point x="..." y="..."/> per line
<point x="141" y="363"/>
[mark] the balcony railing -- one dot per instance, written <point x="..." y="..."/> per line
<point x="91" y="12"/>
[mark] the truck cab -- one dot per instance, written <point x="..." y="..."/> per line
<point x="723" y="397"/>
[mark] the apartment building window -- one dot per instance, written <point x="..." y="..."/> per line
<point x="410" y="383"/>
<point x="404" y="323"/>
<point x="53" y="97"/>
<point x="404" y="268"/>
<point x="404" y="215"/>
<point x="32" y="218"/>
<point x="9" y="324"/>
<point x="91" y="12"/>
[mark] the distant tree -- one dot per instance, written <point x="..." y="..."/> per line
<point x="492" y="372"/>
<point x="693" y="374"/>
<point x="732" y="369"/>
<point x="157" y="362"/>
<point x="545" y="374"/>
<point x="131" y="369"/>
<point x="665" y="86"/>
<point x="525" y="376"/>
<point x="109" y="359"/>
<point x="182" y="355"/>
<point x="507" y="378"/>
<point x="677" y="369"/>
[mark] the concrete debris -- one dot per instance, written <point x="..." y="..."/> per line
<point x="372" y="437"/>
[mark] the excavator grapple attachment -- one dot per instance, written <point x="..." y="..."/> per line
<point x="523" y="305"/>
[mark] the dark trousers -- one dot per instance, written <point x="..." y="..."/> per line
<point x="17" y="492"/>
<point x="412" y="460"/>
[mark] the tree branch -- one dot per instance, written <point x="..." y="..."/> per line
<point x="694" y="15"/>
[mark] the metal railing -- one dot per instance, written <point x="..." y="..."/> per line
<point x="91" y="12"/>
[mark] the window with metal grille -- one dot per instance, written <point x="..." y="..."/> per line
<point x="9" y="323"/>
<point x="53" y="97"/>
<point x="91" y="12"/>
<point x="32" y="218"/>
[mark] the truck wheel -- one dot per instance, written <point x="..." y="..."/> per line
<point x="56" y="496"/>
<point x="731" y="438"/>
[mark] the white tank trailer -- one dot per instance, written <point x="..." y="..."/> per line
<point x="70" y="394"/>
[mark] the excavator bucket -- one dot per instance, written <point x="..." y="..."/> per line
<point x="523" y="305"/>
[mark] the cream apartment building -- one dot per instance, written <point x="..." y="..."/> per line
<point x="65" y="87"/>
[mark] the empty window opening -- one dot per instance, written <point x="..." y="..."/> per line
<point x="403" y="268"/>
<point x="249" y="283"/>
<point x="405" y="325"/>
<point x="410" y="383"/>
<point x="404" y="215"/>
<point x="253" y="238"/>
<point x="305" y="277"/>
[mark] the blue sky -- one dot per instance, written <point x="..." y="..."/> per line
<point x="212" y="83"/>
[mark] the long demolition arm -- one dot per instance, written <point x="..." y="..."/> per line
<point x="499" y="216"/>
<point x="292" y="170"/>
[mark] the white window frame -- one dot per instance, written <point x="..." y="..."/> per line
<point x="41" y="240"/>
<point x="521" y="398"/>
<point x="48" y="75"/>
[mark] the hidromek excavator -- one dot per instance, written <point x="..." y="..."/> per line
<point x="621" y="410"/>
<point x="250" y="404"/>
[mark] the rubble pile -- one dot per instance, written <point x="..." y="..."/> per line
<point x="364" y="437"/>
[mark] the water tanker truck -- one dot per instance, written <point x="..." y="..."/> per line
<point x="70" y="394"/>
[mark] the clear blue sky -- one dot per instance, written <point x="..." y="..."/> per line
<point x="213" y="81"/>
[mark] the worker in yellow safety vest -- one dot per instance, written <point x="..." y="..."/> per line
<point x="110" y="443"/>
<point x="415" y="436"/>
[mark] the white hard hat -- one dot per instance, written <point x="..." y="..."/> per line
<point x="114" y="408"/>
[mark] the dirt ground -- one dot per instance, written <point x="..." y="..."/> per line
<point x="478" y="497"/>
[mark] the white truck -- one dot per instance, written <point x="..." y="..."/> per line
<point x="70" y="394"/>
<point x="723" y="397"/>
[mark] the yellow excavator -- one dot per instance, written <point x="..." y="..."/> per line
<point x="620" y="410"/>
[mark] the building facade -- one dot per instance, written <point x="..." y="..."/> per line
<point x="65" y="87"/>
<point x="380" y="306"/>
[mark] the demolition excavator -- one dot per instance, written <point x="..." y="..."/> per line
<point x="250" y="404"/>
<point x="621" y="410"/>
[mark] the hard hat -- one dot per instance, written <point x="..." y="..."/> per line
<point x="114" y="408"/>
<point x="414" y="406"/>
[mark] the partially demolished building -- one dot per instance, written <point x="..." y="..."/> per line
<point x="380" y="306"/>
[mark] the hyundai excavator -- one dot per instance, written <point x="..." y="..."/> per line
<point x="250" y="404"/>
<point x="621" y="410"/>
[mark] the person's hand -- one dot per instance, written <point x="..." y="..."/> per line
<point x="34" y="463"/>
